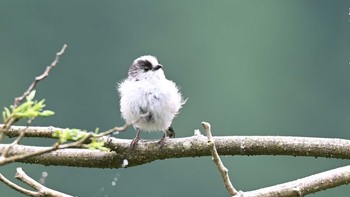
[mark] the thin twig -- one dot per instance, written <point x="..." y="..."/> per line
<point x="216" y="158"/>
<point x="17" y="101"/>
<point x="123" y="128"/>
<point x="18" y="139"/>
<point x="77" y="144"/>
<point x="40" y="189"/>
<point x="56" y="146"/>
<point x="4" y="153"/>
<point x="16" y="187"/>
<point x="110" y="131"/>
<point x="37" y="79"/>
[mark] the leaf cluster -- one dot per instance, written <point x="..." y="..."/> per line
<point x="29" y="109"/>
<point x="76" y="135"/>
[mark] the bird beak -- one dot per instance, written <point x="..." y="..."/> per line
<point x="157" y="67"/>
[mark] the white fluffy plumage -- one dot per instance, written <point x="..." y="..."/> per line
<point x="146" y="90"/>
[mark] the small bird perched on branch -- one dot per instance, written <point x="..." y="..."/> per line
<point x="148" y="100"/>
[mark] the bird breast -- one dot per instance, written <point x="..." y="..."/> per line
<point x="160" y="99"/>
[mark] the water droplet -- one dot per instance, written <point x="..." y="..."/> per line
<point x="114" y="183"/>
<point x="125" y="163"/>
<point x="115" y="179"/>
<point x="197" y="132"/>
<point x="44" y="174"/>
<point x="43" y="177"/>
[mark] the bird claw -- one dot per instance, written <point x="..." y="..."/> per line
<point x="170" y="132"/>
<point x="134" y="142"/>
<point x="162" y="141"/>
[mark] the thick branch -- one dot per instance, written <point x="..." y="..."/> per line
<point x="148" y="151"/>
<point x="197" y="146"/>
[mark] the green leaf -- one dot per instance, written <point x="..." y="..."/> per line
<point x="4" y="119"/>
<point x="31" y="95"/>
<point x="96" y="130"/>
<point x="26" y="114"/>
<point x="97" y="145"/>
<point x="38" y="106"/>
<point x="7" y="111"/>
<point x="23" y="107"/>
<point x="77" y="134"/>
<point x="47" y="113"/>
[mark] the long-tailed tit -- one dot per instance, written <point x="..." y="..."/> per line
<point x="148" y="100"/>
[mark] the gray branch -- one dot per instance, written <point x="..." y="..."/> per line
<point x="216" y="158"/>
<point x="194" y="146"/>
<point x="40" y="190"/>
<point x="304" y="186"/>
<point x="147" y="151"/>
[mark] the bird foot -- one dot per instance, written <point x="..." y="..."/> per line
<point x="170" y="132"/>
<point x="134" y="142"/>
<point x="162" y="141"/>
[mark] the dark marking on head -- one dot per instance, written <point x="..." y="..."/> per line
<point x="143" y="65"/>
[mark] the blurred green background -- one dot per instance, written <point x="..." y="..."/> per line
<point x="247" y="67"/>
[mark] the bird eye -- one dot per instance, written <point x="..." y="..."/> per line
<point x="146" y="65"/>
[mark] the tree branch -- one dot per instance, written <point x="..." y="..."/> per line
<point x="40" y="77"/>
<point x="148" y="151"/>
<point x="307" y="185"/>
<point x="40" y="189"/>
<point x="7" y="124"/>
<point x="16" y="187"/>
<point x="4" y="159"/>
<point x="216" y="158"/>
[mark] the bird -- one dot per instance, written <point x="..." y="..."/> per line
<point x="148" y="100"/>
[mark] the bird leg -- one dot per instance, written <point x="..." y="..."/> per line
<point x="135" y="140"/>
<point x="162" y="141"/>
<point x="170" y="132"/>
